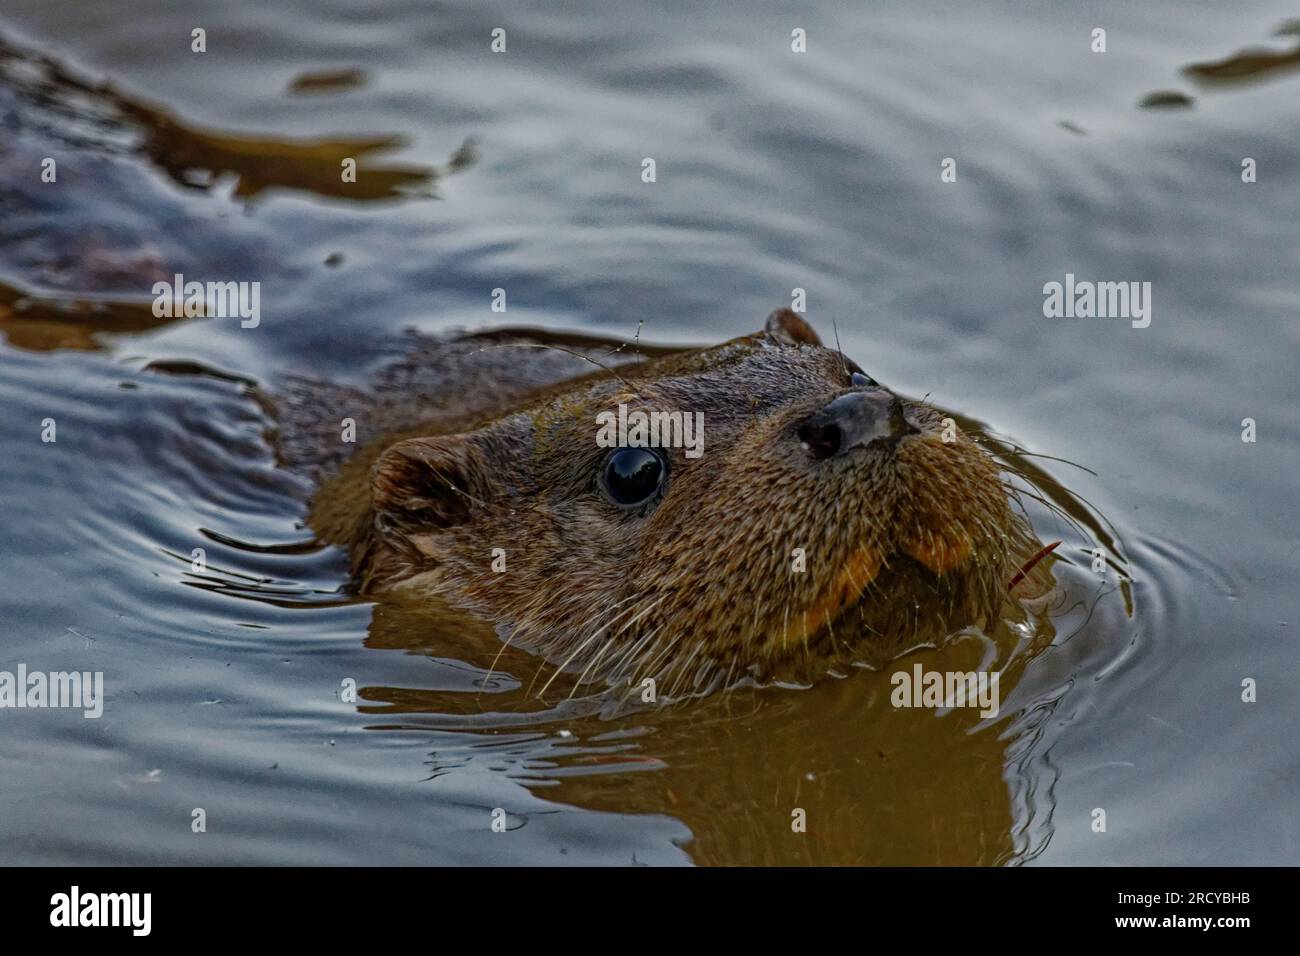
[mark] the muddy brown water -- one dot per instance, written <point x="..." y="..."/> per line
<point x="522" y="171"/>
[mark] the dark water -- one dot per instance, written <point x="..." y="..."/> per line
<point x="775" y="170"/>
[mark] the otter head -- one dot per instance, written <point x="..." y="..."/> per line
<point x="703" y="517"/>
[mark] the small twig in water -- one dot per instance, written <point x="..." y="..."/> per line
<point x="1029" y="565"/>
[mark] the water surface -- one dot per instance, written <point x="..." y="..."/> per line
<point x="521" y="171"/>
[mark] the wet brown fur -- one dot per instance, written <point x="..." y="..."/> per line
<point x="903" y="546"/>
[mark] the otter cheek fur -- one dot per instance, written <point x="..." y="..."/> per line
<point x="825" y="518"/>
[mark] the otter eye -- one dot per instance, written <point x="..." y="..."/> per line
<point x="862" y="380"/>
<point x="632" y="475"/>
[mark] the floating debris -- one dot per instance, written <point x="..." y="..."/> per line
<point x="1166" y="100"/>
<point x="327" y="81"/>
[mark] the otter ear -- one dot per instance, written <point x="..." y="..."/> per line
<point x="429" y="482"/>
<point x="785" y="327"/>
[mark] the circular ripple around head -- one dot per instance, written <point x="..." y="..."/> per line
<point x="1107" y="640"/>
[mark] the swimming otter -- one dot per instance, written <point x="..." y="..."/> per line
<point x="826" y="516"/>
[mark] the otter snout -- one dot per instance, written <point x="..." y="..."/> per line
<point x="855" y="420"/>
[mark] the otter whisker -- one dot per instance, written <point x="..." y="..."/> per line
<point x="1058" y="511"/>
<point x="451" y="484"/>
<point x="561" y="348"/>
<point x="626" y="659"/>
<point x="616" y="669"/>
<point x="663" y="659"/>
<point x="560" y="669"/>
<point x="627" y="605"/>
<point x="1023" y="452"/>
<point x="583" y="676"/>
<point x="638" y="617"/>
<point x="583" y="645"/>
<point x="1095" y="510"/>
<point x="635" y="343"/>
<point x="1039" y="482"/>
<point x="662" y="654"/>
<point x="835" y="640"/>
<point x="844" y="363"/>
<point x="703" y="673"/>
<point x="726" y="684"/>
<point x="493" y="666"/>
<point x="634" y="650"/>
<point x="681" y="668"/>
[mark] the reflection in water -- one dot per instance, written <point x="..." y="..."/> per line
<point x="1249" y="66"/>
<point x="1243" y="67"/>
<point x="878" y="784"/>
<point x="48" y="322"/>
<point x="193" y="156"/>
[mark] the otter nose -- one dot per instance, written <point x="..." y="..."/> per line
<point x="854" y="420"/>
